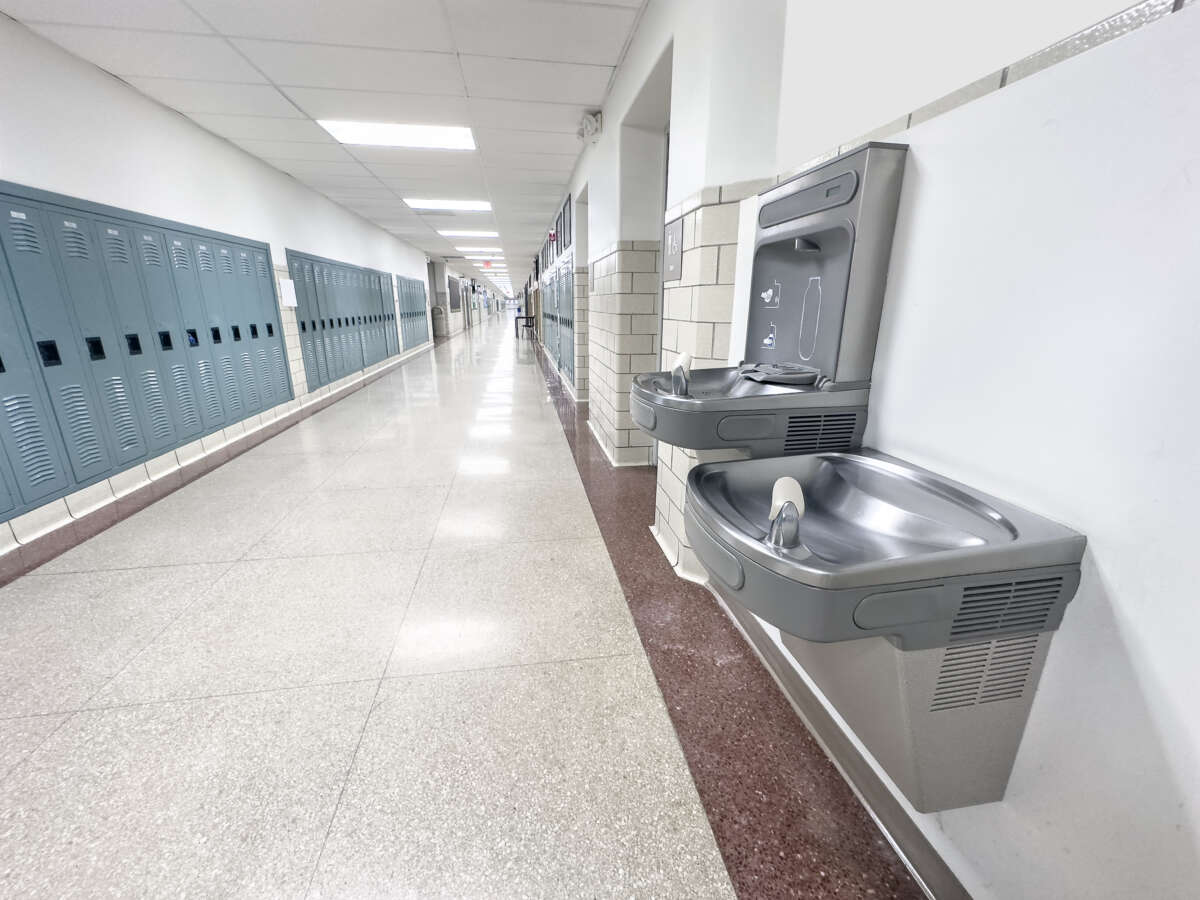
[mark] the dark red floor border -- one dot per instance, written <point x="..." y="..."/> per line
<point x="786" y="822"/>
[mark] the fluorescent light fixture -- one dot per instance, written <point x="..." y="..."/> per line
<point x="479" y="234"/>
<point x="391" y="134"/>
<point x="491" y="256"/>
<point x="456" y="205"/>
<point x="479" y="249"/>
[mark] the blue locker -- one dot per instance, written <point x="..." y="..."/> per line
<point x="307" y="322"/>
<point x="213" y="276"/>
<point x="78" y="256"/>
<point x="249" y="339"/>
<point x="165" y="333"/>
<point x="185" y="271"/>
<point x="321" y="335"/>
<point x="236" y="325"/>
<point x="28" y="435"/>
<point x="57" y="347"/>
<point x="148" y="370"/>
<point x="268" y="305"/>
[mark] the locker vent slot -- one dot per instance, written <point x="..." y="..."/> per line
<point x="244" y="265"/>
<point x="230" y="380"/>
<point x="179" y="258"/>
<point x="985" y="672"/>
<point x="204" y="259"/>
<point x="261" y="262"/>
<point x="226" y="264"/>
<point x="988" y="609"/>
<point x="34" y="453"/>
<point x="115" y="249"/>
<point x="151" y="254"/>
<point x="75" y="244"/>
<point x="24" y="237"/>
<point x="250" y="388"/>
<point x="160" y="422"/>
<point x="120" y="413"/>
<point x="208" y="387"/>
<point x="82" y="432"/>
<point x="183" y="394"/>
<point x="268" y="389"/>
<point x="281" y="371"/>
<point x="822" y="432"/>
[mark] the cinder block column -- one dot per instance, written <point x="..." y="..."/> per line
<point x="697" y="317"/>
<point x="622" y="339"/>
<point x="582" y="303"/>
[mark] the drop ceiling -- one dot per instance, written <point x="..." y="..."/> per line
<point x="519" y="73"/>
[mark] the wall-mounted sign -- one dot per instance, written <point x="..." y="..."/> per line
<point x="673" y="251"/>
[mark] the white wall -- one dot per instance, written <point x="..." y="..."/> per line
<point x="1040" y="340"/>
<point x="69" y="127"/>
<point x="850" y="67"/>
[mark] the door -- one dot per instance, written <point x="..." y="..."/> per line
<point x="193" y="340"/>
<point x="214" y="271"/>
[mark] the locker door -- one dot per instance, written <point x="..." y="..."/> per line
<point x="216" y="334"/>
<point x="57" y="348"/>
<point x="272" y="326"/>
<point x="249" y="346"/>
<point x="236" y="327"/>
<point x="165" y="333"/>
<point x="28" y="436"/>
<point x="306" y="317"/>
<point x="79" y="258"/>
<point x="312" y="278"/>
<point x="422" y="307"/>
<point x="195" y="318"/>
<point x="8" y="499"/>
<point x="322" y="282"/>
<point x="134" y="339"/>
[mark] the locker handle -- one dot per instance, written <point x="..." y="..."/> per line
<point x="253" y="331"/>
<point x="134" y="343"/>
<point x="270" y="330"/>
<point x="2" y="369"/>
<point x="164" y="340"/>
<point x="95" y="348"/>
<point x="237" y="332"/>
<point x="216" y="334"/>
<point x="193" y="339"/>
<point x="303" y="326"/>
<point x="49" y="353"/>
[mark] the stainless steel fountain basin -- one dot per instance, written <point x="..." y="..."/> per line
<point x="885" y="548"/>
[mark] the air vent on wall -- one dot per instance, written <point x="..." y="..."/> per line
<point x="820" y="432"/>
<point x="1000" y="607"/>
<point x="985" y="672"/>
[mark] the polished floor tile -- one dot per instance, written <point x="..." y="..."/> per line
<point x="353" y="521"/>
<point x="62" y="637"/>
<point x="20" y="737"/>
<point x="256" y="473"/>
<point x="395" y="466"/>
<point x="555" y="600"/>
<point x="277" y="623"/>
<point x="188" y="526"/>
<point x="227" y="797"/>
<point x="558" y="780"/>
<point x="488" y="511"/>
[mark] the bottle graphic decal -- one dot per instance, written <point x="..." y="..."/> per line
<point x="769" y="340"/>
<point x="810" y="318"/>
<point x="772" y="295"/>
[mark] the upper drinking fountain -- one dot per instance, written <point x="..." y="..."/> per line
<point x="821" y="251"/>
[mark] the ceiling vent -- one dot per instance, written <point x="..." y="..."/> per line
<point x="590" y="126"/>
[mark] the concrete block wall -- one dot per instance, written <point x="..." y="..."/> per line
<point x="697" y="319"/>
<point x="581" y="333"/>
<point x="623" y="340"/>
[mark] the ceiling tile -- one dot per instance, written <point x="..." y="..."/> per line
<point x="316" y="65"/>
<point x="523" y="79"/>
<point x="154" y="54"/>
<point x="295" y="150"/>
<point x="493" y="140"/>
<point x="263" y="128"/>
<point x="411" y="25"/>
<point x="400" y="156"/>
<point x="565" y="33"/>
<point x="309" y="167"/>
<point x="212" y="97"/>
<point x="152" y="15"/>
<point x="531" y="162"/>
<point x="560" y="117"/>
<point x="369" y="186"/>
<point x="380" y="106"/>
<point x="444" y="190"/>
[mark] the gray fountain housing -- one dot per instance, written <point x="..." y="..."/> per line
<point x="821" y="253"/>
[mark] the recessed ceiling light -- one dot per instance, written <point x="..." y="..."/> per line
<point x="391" y="134"/>
<point x="469" y="233"/>
<point x="479" y="249"/>
<point x="492" y="256"/>
<point x="456" y="205"/>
